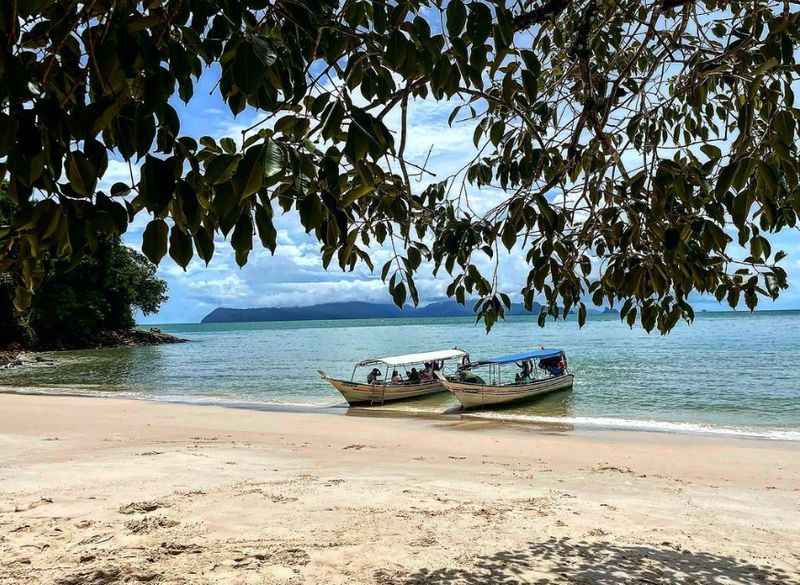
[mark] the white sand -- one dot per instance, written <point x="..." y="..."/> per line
<point x="111" y="491"/>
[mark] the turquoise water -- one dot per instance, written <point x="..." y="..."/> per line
<point x="726" y="373"/>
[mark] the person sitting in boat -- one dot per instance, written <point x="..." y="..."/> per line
<point x="525" y="372"/>
<point x="373" y="376"/>
<point x="561" y="364"/>
<point x="427" y="374"/>
<point x="396" y="377"/>
<point x="552" y="366"/>
<point x="413" y="376"/>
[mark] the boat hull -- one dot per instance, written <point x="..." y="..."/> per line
<point x="477" y="395"/>
<point x="356" y="393"/>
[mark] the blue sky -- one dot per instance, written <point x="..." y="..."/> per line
<point x="294" y="276"/>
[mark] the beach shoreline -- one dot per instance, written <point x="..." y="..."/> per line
<point x="121" y="491"/>
<point x="500" y="416"/>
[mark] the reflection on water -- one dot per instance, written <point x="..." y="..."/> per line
<point x="729" y="370"/>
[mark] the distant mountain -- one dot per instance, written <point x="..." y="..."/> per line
<point x="348" y="310"/>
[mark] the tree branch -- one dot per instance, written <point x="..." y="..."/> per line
<point x="540" y="14"/>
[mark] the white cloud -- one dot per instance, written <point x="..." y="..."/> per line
<point x="231" y="287"/>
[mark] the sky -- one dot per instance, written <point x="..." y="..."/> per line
<point x="294" y="276"/>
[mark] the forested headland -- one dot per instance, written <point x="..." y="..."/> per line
<point x="90" y="302"/>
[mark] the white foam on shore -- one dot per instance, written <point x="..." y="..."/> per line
<point x="580" y="422"/>
<point x="240" y="403"/>
<point x="607" y="423"/>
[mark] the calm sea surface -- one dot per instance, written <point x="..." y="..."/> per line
<point x="729" y="373"/>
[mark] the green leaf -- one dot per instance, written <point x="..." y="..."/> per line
<point x="456" y="17"/>
<point x="531" y="85"/>
<point x="154" y="240"/>
<point x="204" y="242"/>
<point x="358" y="144"/>
<point x="228" y="145"/>
<point x="531" y="62"/>
<point x="733" y="297"/>
<point x="221" y="168"/>
<point x="263" y="49"/>
<point x="740" y="209"/>
<point x="542" y="317"/>
<point x="479" y="23"/>
<point x="265" y="227"/>
<point x="180" y="247"/>
<point x="631" y="317"/>
<point x="311" y="211"/>
<point x="784" y="126"/>
<point x="81" y="174"/>
<point x="145" y="132"/>
<point x="711" y="151"/>
<point x="249" y="175"/>
<point x="226" y="206"/>
<point x="120" y="190"/>
<point x="725" y="179"/>
<point x="248" y="70"/>
<point x="581" y="315"/>
<point x="356" y="193"/>
<point x="396" y="48"/>
<point x="414" y="258"/>
<point x="751" y="299"/>
<point x="333" y="120"/>
<point x="399" y="295"/>
<point x="496" y="132"/>
<point x="242" y="238"/>
<point x="157" y="184"/>
<point x="191" y="210"/>
<point x="273" y="159"/>
<point x="509" y="235"/>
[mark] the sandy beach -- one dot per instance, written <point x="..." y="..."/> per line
<point x="96" y="491"/>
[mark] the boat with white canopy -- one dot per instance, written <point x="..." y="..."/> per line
<point x="380" y="387"/>
<point x="540" y="371"/>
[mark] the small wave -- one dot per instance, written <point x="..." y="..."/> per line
<point x="644" y="425"/>
<point x="76" y="391"/>
<point x="206" y="400"/>
<point x="585" y="422"/>
<point x="239" y="403"/>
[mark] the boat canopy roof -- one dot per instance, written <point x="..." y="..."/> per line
<point x="536" y="354"/>
<point x="414" y="358"/>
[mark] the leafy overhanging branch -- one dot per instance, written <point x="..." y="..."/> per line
<point x="637" y="143"/>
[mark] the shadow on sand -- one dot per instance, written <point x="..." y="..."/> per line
<point x="564" y="561"/>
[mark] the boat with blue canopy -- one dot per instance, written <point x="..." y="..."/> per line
<point x="539" y="371"/>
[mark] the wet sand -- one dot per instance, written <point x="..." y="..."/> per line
<point x="96" y="491"/>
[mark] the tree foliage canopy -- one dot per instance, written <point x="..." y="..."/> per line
<point x="81" y="296"/>
<point x="100" y="293"/>
<point x="644" y="150"/>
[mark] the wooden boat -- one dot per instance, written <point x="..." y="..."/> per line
<point x="379" y="391"/>
<point x="546" y="372"/>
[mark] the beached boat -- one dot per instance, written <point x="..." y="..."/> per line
<point x="541" y="371"/>
<point x="381" y="390"/>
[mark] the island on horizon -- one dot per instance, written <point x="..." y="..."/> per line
<point x="350" y="310"/>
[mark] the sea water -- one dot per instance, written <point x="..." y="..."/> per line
<point x="726" y="373"/>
